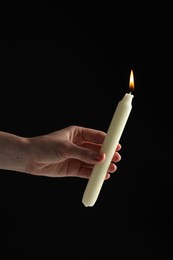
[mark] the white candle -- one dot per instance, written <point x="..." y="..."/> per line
<point x="109" y="146"/>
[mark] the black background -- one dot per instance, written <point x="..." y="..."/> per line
<point x="61" y="68"/>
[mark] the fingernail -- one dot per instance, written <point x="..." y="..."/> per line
<point x="98" y="156"/>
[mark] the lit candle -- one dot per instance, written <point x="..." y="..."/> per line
<point x="109" y="146"/>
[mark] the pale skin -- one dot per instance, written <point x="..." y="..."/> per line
<point x="69" y="152"/>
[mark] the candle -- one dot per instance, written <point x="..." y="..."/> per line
<point x="109" y="146"/>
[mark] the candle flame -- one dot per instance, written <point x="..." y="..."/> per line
<point x="131" y="81"/>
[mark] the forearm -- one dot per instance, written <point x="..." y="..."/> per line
<point x="13" y="151"/>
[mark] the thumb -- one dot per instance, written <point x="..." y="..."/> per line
<point x="85" y="154"/>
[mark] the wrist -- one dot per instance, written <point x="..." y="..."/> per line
<point x="13" y="152"/>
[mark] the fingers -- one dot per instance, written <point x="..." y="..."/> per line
<point x="116" y="158"/>
<point x="97" y="147"/>
<point x="118" y="147"/>
<point x="95" y="136"/>
<point x="90" y="153"/>
<point x="89" y="134"/>
<point x="86" y="170"/>
<point x="112" y="167"/>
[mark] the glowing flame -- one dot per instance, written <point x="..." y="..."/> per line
<point x="131" y="81"/>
